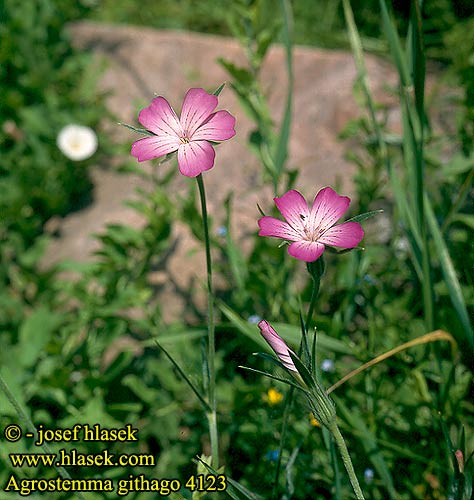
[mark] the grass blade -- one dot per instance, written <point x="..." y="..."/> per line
<point x="233" y="487"/>
<point x="289" y="333"/>
<point x="281" y="151"/>
<point x="451" y="279"/>
<point x="185" y="378"/>
<point x="369" y="442"/>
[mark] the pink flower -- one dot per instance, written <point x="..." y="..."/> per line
<point x="311" y="230"/>
<point x="189" y="135"/>
<point x="277" y="344"/>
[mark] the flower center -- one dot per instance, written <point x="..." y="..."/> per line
<point x="312" y="233"/>
<point x="184" y="140"/>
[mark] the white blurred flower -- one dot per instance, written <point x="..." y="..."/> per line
<point x="328" y="366"/>
<point x="402" y="247"/>
<point x="77" y="142"/>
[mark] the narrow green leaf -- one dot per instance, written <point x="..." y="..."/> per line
<point x="142" y="131"/>
<point x="292" y="334"/>
<point x="395" y="45"/>
<point x="233" y="487"/>
<point x="281" y="151"/>
<point x="369" y="441"/>
<point x="238" y="265"/>
<point x="262" y="213"/>
<point x="364" y="216"/>
<point x="219" y="89"/>
<point x="178" y="336"/>
<point x="272" y="359"/>
<point x="304" y="341"/>
<point x="303" y="371"/>
<point x="450" y="276"/>
<point x="289" y="333"/>
<point x="417" y="57"/>
<point x="185" y="378"/>
<point x="34" y="335"/>
<point x="467" y="219"/>
<point x="274" y="377"/>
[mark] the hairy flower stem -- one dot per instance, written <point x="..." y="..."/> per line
<point x="31" y="428"/>
<point x="336" y="433"/>
<point x="211" y="347"/>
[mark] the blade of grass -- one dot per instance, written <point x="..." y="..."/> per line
<point x="395" y="45"/>
<point x="429" y="337"/>
<point x="369" y="442"/>
<point x="269" y="375"/>
<point x="417" y="61"/>
<point x="238" y="265"/>
<point x="398" y="190"/>
<point x="450" y="277"/>
<point x="28" y="423"/>
<point x="289" y="333"/>
<point x="413" y="66"/>
<point x="233" y="487"/>
<point x="205" y="405"/>
<point x="281" y="151"/>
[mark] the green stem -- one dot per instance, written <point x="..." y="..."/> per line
<point x="316" y="271"/>
<point x="211" y="347"/>
<point x="336" y="433"/>
<point x="312" y="304"/>
<point x="31" y="428"/>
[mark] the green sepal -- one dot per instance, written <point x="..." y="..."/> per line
<point x="303" y="371"/>
<point x="261" y="211"/>
<point x="274" y="377"/>
<point x="344" y="250"/>
<point x="364" y="216"/>
<point x="271" y="358"/>
<point x="219" y="89"/>
<point x="142" y="131"/>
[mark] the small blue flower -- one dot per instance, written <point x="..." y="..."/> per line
<point x="254" y="319"/>
<point x="221" y="231"/>
<point x="328" y="366"/>
<point x="272" y="455"/>
<point x="368" y="476"/>
<point x="369" y="279"/>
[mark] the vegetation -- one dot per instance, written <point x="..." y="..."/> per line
<point x="408" y="419"/>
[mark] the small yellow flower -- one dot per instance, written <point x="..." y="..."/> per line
<point x="274" y="397"/>
<point x="313" y="421"/>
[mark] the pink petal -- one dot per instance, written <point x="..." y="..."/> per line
<point x="309" y="251"/>
<point x="218" y="127"/>
<point x="328" y="207"/>
<point x="277" y="344"/>
<point x="294" y="209"/>
<point x="195" y="157"/>
<point x="197" y="107"/>
<point x="269" y="226"/>
<point x="160" y="118"/>
<point x="347" y="235"/>
<point x="154" y="147"/>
